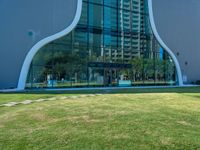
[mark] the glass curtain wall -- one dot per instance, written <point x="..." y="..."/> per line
<point x="112" y="45"/>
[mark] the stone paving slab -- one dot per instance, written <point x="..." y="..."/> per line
<point x="64" y="97"/>
<point x="10" y="104"/>
<point x="27" y="102"/>
<point x="52" y="99"/>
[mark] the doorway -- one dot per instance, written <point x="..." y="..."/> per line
<point x="111" y="77"/>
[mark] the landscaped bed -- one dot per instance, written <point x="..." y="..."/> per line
<point x="118" y="119"/>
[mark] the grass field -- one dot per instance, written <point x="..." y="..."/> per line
<point x="118" y="119"/>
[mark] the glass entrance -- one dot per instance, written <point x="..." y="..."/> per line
<point x="109" y="74"/>
<point x="112" y="45"/>
<point x="111" y="77"/>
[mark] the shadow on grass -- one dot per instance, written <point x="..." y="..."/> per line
<point x="112" y="90"/>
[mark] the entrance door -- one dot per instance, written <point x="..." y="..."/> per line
<point x="110" y="77"/>
<point x="109" y="74"/>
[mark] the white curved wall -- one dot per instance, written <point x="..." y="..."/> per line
<point x="40" y="44"/>
<point x="162" y="43"/>
<point x="177" y="23"/>
<point x="25" y="27"/>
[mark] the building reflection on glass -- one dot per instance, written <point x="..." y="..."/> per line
<point x="112" y="45"/>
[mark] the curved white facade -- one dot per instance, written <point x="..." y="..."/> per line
<point x="175" y="24"/>
<point x="25" y="27"/>
<point x="178" y="68"/>
<point x="40" y="44"/>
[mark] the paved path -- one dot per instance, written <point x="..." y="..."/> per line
<point x="27" y="102"/>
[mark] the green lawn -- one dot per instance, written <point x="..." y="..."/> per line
<point x="119" y="119"/>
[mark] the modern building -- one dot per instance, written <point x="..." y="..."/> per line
<point x="97" y="43"/>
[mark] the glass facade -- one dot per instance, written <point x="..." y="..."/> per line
<point x="112" y="45"/>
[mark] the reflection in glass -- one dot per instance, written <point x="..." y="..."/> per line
<point x="112" y="45"/>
